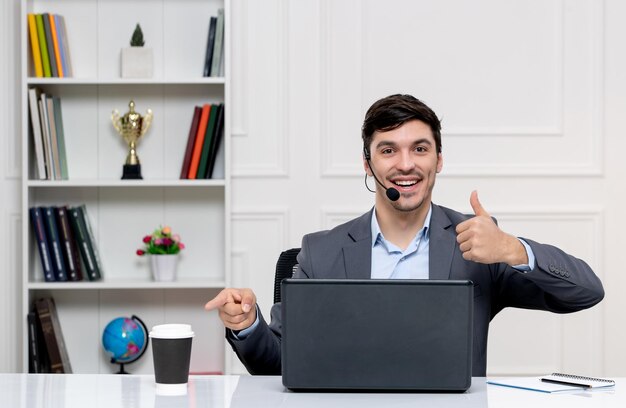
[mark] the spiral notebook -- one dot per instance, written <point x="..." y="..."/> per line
<point x="555" y="382"/>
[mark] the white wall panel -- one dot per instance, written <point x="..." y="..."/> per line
<point x="531" y="342"/>
<point x="260" y="114"/>
<point x="540" y="89"/>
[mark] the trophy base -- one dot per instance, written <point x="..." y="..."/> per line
<point x="132" y="172"/>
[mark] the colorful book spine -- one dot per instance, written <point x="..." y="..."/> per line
<point x="55" y="41"/>
<point x="85" y="246"/>
<point x="34" y="45"/>
<point x="50" y="45"/>
<point x="58" y="120"/>
<point x="218" y="44"/>
<point x="191" y="138"/>
<point x="55" y="343"/>
<point x="208" y="59"/>
<point x="56" y="250"/>
<point x="41" y="34"/>
<point x="65" y="49"/>
<point x="206" y="146"/>
<point x="68" y="243"/>
<point x="197" y="148"/>
<point x="33" y="104"/>
<point x="53" y="138"/>
<point x="42" y="243"/>
<point x="217" y="138"/>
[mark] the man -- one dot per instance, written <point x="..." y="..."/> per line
<point x="405" y="236"/>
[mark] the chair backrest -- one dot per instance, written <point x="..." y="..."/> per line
<point x="285" y="268"/>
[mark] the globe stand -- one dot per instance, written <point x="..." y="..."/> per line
<point x="145" y="328"/>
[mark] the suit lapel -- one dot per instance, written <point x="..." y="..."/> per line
<point x="358" y="253"/>
<point x="442" y="245"/>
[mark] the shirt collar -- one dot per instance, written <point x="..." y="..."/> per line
<point x="378" y="235"/>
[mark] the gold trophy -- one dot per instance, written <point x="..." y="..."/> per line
<point x="132" y="126"/>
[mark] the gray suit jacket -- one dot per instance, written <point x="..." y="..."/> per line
<point x="559" y="282"/>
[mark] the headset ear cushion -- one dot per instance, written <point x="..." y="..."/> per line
<point x="366" y="154"/>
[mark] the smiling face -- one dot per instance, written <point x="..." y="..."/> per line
<point x="405" y="158"/>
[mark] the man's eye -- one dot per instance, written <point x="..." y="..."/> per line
<point x="421" y="149"/>
<point x="387" y="151"/>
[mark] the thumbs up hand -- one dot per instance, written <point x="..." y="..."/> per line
<point x="481" y="240"/>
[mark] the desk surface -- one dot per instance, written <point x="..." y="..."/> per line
<point x="138" y="391"/>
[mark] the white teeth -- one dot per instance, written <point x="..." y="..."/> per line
<point x="405" y="183"/>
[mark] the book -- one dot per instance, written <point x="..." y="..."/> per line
<point x="85" y="245"/>
<point x="206" y="146"/>
<point x="33" y="105"/>
<point x="208" y="58"/>
<point x="41" y="237"/>
<point x="65" y="48"/>
<point x="55" y="43"/>
<point x="34" y="45"/>
<point x="197" y="147"/>
<point x="54" y="240"/>
<point x="50" y="45"/>
<point x="45" y="135"/>
<point x="54" y="143"/>
<point x="537" y="384"/>
<point x="92" y="238"/>
<point x="193" y="130"/>
<point x="53" y="336"/>
<point x="218" y="44"/>
<point x="577" y="380"/>
<point x="219" y="135"/>
<point x="58" y="120"/>
<point x="68" y="245"/>
<point x="38" y="360"/>
<point x="41" y="34"/>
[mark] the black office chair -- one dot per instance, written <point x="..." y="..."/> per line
<point x="285" y="268"/>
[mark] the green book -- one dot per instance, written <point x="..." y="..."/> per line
<point x="58" y="121"/>
<point x="206" y="147"/>
<point x="45" y="59"/>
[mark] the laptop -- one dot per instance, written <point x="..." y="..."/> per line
<point x="377" y="335"/>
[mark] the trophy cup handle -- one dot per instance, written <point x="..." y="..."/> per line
<point x="115" y="119"/>
<point x="145" y="123"/>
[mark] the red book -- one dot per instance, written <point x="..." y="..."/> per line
<point x="197" y="146"/>
<point x="190" y="141"/>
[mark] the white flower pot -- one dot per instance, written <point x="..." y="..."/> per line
<point x="164" y="267"/>
<point x="137" y="62"/>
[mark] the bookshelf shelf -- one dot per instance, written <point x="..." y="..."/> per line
<point x="122" y="212"/>
<point x="129" y="284"/>
<point x="120" y="81"/>
<point x="126" y="183"/>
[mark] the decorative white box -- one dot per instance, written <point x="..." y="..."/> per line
<point x="137" y="62"/>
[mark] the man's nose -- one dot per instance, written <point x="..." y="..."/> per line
<point x="405" y="161"/>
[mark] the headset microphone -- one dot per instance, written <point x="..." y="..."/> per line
<point x="392" y="193"/>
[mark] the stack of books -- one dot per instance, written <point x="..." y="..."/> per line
<point x="47" y="352"/>
<point x="48" y="135"/>
<point x="203" y="142"/>
<point x="64" y="238"/>
<point x="214" y="57"/>
<point x="49" y="45"/>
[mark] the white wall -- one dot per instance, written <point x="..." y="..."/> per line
<point x="532" y="99"/>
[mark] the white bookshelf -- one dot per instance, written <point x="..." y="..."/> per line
<point x="123" y="211"/>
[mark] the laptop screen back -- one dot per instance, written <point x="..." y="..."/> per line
<point x="412" y="335"/>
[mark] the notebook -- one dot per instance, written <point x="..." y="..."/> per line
<point x="555" y="382"/>
<point x="386" y="335"/>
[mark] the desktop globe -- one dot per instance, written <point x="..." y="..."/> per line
<point x="125" y="339"/>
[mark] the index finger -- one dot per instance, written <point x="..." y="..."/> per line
<point x="221" y="299"/>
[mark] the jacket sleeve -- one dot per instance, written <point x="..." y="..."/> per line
<point x="559" y="282"/>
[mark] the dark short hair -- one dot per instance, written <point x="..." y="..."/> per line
<point x="392" y="112"/>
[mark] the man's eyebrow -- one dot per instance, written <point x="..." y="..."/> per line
<point x="389" y="143"/>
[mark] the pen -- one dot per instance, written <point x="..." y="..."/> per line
<point x="565" y="383"/>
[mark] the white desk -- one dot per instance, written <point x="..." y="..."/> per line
<point x="138" y="391"/>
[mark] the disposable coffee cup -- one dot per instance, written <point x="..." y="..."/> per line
<point x="171" y="353"/>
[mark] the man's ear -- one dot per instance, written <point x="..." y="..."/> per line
<point x="439" y="162"/>
<point x="366" y="167"/>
